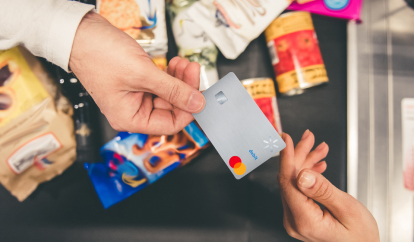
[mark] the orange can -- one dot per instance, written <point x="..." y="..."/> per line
<point x="262" y="90"/>
<point x="295" y="53"/>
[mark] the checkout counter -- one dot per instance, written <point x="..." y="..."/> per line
<point x="370" y="69"/>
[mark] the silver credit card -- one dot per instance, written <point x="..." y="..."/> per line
<point x="236" y="127"/>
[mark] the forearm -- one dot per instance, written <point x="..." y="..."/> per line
<point x="45" y="27"/>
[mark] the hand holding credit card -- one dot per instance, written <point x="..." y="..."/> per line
<point x="236" y="127"/>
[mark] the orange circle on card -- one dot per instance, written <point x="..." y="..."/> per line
<point x="240" y="170"/>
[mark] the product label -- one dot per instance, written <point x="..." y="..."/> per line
<point x="264" y="94"/>
<point x="294" y="79"/>
<point x="19" y="87"/>
<point x="143" y="20"/>
<point x="289" y="23"/>
<point x="273" y="52"/>
<point x="33" y="152"/>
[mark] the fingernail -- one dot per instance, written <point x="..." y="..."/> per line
<point x="306" y="134"/>
<point x="320" y="146"/>
<point x="307" y="180"/>
<point x="195" y="102"/>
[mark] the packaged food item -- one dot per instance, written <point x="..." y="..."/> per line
<point x="232" y="24"/>
<point x="134" y="161"/>
<point x="193" y="43"/>
<point x="262" y="90"/>
<point x="36" y="128"/>
<point x="347" y="9"/>
<point x="143" y="20"/>
<point x="295" y="54"/>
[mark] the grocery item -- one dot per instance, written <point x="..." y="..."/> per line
<point x="143" y="20"/>
<point x="347" y="9"/>
<point x="36" y="127"/>
<point x="232" y="24"/>
<point x="262" y="90"/>
<point x="134" y="161"/>
<point x="193" y="43"/>
<point x="295" y="54"/>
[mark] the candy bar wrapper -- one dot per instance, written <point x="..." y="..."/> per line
<point x="232" y="24"/>
<point x="346" y="9"/>
<point x="133" y="161"/>
<point x="193" y="43"/>
<point x="143" y="20"/>
<point x="36" y="127"/>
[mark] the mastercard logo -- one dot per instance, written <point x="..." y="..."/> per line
<point x="238" y="167"/>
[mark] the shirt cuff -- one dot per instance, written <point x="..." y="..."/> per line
<point x="62" y="32"/>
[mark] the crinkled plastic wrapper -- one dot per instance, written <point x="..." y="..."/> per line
<point x="347" y="9"/>
<point x="143" y="20"/>
<point x="232" y="24"/>
<point x="133" y="161"/>
<point x="37" y="141"/>
<point x="193" y="43"/>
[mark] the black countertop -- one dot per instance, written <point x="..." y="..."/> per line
<point x="201" y="201"/>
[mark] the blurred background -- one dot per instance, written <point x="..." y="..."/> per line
<point x="342" y="69"/>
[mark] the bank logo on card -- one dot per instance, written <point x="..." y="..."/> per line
<point x="270" y="144"/>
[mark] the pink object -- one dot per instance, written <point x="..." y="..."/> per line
<point x="347" y="9"/>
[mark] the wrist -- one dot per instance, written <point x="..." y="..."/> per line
<point x="84" y="40"/>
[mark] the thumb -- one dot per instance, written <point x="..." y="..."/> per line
<point x="340" y="204"/>
<point x="178" y="93"/>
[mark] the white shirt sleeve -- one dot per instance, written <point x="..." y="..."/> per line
<point x="45" y="27"/>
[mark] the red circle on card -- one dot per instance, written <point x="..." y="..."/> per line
<point x="234" y="160"/>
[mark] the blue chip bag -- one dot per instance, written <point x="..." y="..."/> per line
<point x="132" y="161"/>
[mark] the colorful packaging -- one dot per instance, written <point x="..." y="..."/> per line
<point x="262" y="90"/>
<point x="295" y="54"/>
<point x="134" y="161"/>
<point x="193" y="43"/>
<point x="232" y="24"/>
<point x="143" y="20"/>
<point x="36" y="128"/>
<point x="347" y="9"/>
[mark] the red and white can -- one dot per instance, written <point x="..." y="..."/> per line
<point x="262" y="90"/>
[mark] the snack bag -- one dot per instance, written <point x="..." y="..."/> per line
<point x="143" y="20"/>
<point x="134" y="161"/>
<point x="347" y="9"/>
<point x="232" y="24"/>
<point x="193" y="43"/>
<point x="36" y="129"/>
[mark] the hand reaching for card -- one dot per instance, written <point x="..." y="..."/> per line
<point x="129" y="89"/>
<point x="343" y="219"/>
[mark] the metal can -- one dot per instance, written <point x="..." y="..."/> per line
<point x="262" y="90"/>
<point x="295" y="53"/>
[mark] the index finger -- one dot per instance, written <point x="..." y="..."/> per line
<point x="300" y="205"/>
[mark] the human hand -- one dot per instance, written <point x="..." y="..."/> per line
<point x="343" y="218"/>
<point x="129" y="89"/>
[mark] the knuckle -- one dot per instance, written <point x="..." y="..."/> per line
<point x="324" y="192"/>
<point x="174" y="93"/>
